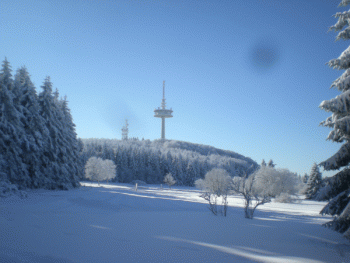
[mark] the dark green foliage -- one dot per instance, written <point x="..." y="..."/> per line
<point x="38" y="144"/>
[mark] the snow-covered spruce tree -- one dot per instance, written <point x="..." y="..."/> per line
<point x="72" y="157"/>
<point x="339" y="121"/>
<point x="305" y="178"/>
<point x="216" y="183"/>
<point x="33" y="125"/>
<point x="56" y="147"/>
<point x="271" y="164"/>
<point x="169" y="180"/>
<point x="12" y="134"/>
<point x="314" y="183"/>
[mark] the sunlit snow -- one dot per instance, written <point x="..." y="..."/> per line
<point x="115" y="223"/>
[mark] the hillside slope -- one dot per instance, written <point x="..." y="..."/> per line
<point x="150" y="160"/>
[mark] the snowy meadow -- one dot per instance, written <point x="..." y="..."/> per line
<point x="116" y="223"/>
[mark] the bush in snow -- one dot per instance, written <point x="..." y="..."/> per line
<point x="277" y="182"/>
<point x="284" y="198"/>
<point x="169" y="180"/>
<point x="98" y="170"/>
<point x="217" y="183"/>
<point x="7" y="189"/>
<point x="254" y="193"/>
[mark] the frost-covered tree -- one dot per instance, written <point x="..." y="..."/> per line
<point x="108" y="170"/>
<point x="271" y="164"/>
<point x="97" y="169"/>
<point x="12" y="133"/>
<point x="169" y="180"/>
<point x="314" y="182"/>
<point x="38" y="145"/>
<point x="263" y="163"/>
<point x="339" y="121"/>
<point x="305" y="178"/>
<point x="216" y="183"/>
<point x="150" y="161"/>
<point x="254" y="194"/>
<point x="59" y="148"/>
<point x="33" y="125"/>
<point x="279" y="183"/>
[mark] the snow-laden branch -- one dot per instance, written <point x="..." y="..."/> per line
<point x="338" y="160"/>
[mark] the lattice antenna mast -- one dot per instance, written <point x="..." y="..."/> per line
<point x="125" y="130"/>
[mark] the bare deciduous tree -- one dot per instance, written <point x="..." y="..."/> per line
<point x="217" y="183"/>
<point x="254" y="195"/>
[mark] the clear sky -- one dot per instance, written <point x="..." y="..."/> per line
<point x="246" y="76"/>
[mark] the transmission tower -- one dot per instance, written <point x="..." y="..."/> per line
<point x="125" y="130"/>
<point x="163" y="113"/>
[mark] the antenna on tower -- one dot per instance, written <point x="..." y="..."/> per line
<point x="125" y="130"/>
<point x="163" y="100"/>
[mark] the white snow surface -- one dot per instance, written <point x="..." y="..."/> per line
<point x="115" y="223"/>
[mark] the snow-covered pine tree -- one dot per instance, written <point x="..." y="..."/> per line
<point x="305" y="178"/>
<point x="339" y="121"/>
<point x="72" y="157"/>
<point x="33" y="125"/>
<point x="56" y="147"/>
<point x="271" y="164"/>
<point x="12" y="134"/>
<point x="314" y="182"/>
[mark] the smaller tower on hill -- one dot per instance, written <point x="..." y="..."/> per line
<point x="125" y="131"/>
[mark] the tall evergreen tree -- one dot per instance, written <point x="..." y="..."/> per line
<point x="60" y="147"/>
<point x="314" y="182"/>
<point x="33" y="125"/>
<point x="12" y="135"/>
<point x="271" y="164"/>
<point x="339" y="121"/>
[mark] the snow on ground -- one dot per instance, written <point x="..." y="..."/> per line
<point x="115" y="223"/>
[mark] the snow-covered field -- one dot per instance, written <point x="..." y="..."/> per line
<point x="114" y="223"/>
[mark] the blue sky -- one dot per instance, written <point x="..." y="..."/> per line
<point x="245" y="76"/>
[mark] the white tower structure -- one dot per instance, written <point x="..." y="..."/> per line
<point x="163" y="113"/>
<point x="125" y="130"/>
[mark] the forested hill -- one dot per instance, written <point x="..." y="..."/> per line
<point x="149" y="161"/>
<point x="205" y="150"/>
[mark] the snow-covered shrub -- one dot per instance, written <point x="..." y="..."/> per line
<point x="98" y="170"/>
<point x="169" y="180"/>
<point x="217" y="183"/>
<point x="284" y="198"/>
<point x="276" y="182"/>
<point x="254" y="194"/>
<point x="7" y="189"/>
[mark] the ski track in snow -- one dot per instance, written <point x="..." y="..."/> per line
<point x="115" y="223"/>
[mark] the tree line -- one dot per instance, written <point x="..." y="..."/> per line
<point x="38" y="143"/>
<point x="150" y="161"/>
